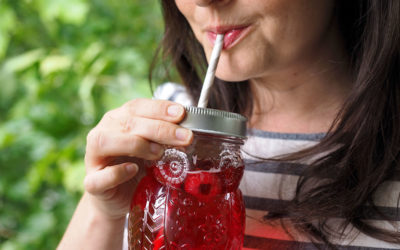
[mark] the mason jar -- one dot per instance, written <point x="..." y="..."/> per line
<point x="189" y="199"/>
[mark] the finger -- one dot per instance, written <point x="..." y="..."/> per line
<point x="155" y="109"/>
<point x="161" y="132"/>
<point x="102" y="144"/>
<point x="97" y="182"/>
<point x="153" y="129"/>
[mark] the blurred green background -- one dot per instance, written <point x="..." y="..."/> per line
<point x="63" y="64"/>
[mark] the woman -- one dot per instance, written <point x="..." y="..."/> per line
<point x="319" y="81"/>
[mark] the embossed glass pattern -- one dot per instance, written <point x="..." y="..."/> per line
<point x="190" y="199"/>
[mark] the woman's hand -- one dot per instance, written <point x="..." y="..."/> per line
<point x="115" y="148"/>
<point x="135" y="131"/>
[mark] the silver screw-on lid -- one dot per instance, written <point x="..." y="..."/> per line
<point x="215" y="122"/>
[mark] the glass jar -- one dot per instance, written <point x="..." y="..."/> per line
<point x="189" y="199"/>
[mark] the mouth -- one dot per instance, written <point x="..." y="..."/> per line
<point x="233" y="34"/>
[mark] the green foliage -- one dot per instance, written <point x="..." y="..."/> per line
<point x="63" y="64"/>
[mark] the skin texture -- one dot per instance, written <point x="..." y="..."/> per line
<point x="115" y="150"/>
<point x="135" y="131"/>
<point x="293" y="58"/>
<point x="284" y="32"/>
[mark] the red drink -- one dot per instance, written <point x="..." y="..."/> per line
<point x="190" y="198"/>
<point x="212" y="202"/>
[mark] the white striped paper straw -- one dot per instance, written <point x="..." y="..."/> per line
<point x="209" y="80"/>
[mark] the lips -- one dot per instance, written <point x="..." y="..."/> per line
<point x="233" y="34"/>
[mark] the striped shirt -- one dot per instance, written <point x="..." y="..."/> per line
<point x="267" y="186"/>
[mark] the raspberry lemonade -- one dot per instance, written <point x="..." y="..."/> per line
<point x="190" y="199"/>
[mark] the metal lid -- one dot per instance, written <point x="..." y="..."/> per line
<point x="215" y="122"/>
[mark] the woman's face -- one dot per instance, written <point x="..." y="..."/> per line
<point x="262" y="37"/>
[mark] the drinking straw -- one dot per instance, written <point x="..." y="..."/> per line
<point x="209" y="79"/>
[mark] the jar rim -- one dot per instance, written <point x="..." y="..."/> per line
<point x="215" y="121"/>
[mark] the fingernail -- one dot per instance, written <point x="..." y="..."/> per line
<point x="131" y="168"/>
<point x="175" y="110"/>
<point x="182" y="134"/>
<point x="155" y="148"/>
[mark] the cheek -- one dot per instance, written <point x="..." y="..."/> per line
<point x="299" y="30"/>
<point x="182" y="5"/>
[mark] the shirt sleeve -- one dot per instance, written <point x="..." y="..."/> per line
<point x="173" y="92"/>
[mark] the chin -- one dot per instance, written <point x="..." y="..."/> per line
<point x="230" y="76"/>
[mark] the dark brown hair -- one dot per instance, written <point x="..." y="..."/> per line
<point x="364" y="140"/>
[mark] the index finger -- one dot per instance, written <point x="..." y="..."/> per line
<point x="156" y="109"/>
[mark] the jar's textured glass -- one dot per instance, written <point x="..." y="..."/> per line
<point x="189" y="199"/>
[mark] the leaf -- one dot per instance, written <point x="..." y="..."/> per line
<point x="23" y="61"/>
<point x="36" y="226"/>
<point x="7" y="24"/>
<point x="8" y="91"/>
<point x="6" y="139"/>
<point x="74" y="11"/>
<point x="55" y="63"/>
<point x="19" y="190"/>
<point x="4" y="41"/>
<point x="7" y="18"/>
<point x="67" y="11"/>
<point x="85" y="94"/>
<point x="91" y="52"/>
<point x="74" y="176"/>
<point x="10" y="245"/>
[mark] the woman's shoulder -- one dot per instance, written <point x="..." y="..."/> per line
<point x="173" y="92"/>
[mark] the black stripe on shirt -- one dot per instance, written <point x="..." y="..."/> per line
<point x="275" y="167"/>
<point x="272" y="205"/>
<point x="273" y="244"/>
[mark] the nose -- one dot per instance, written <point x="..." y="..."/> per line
<point x="204" y="3"/>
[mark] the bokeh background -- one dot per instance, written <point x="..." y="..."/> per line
<point x="63" y="64"/>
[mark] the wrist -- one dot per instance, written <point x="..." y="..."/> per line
<point x="110" y="229"/>
<point x="98" y="214"/>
